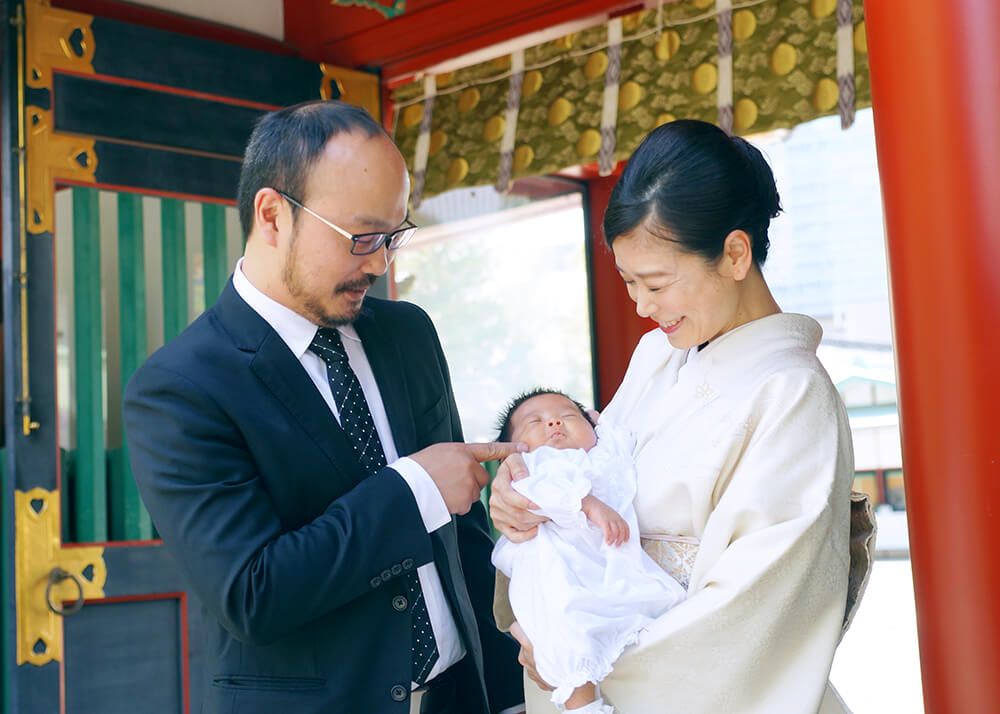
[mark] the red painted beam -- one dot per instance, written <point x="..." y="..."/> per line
<point x="938" y="152"/>
<point x="428" y="33"/>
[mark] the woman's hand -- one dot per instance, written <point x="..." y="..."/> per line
<point x="527" y="657"/>
<point x="509" y="510"/>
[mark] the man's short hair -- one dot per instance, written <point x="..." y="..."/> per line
<point x="285" y="144"/>
<point x="503" y="422"/>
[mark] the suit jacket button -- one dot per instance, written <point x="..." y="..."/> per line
<point x="397" y="569"/>
<point x="386" y="575"/>
<point x="399" y="603"/>
<point x="375" y="582"/>
<point x="408" y="564"/>
<point x="398" y="693"/>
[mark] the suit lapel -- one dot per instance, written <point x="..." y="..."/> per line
<point x="278" y="369"/>
<point x="387" y="366"/>
<point x="275" y="365"/>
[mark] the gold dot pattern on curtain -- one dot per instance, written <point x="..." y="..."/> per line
<point x="784" y="73"/>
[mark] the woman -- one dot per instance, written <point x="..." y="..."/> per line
<point x="743" y="450"/>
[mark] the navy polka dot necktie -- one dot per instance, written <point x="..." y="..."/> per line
<point x="359" y="427"/>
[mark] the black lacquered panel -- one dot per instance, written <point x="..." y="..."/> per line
<point x="38" y="688"/>
<point x="114" y="111"/>
<point x="150" y="55"/>
<point x="138" y="569"/>
<point x="124" y="657"/>
<point x="154" y="171"/>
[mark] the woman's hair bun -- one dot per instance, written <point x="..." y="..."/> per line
<point x="769" y="203"/>
<point x="693" y="185"/>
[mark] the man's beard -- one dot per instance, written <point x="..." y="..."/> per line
<point x="313" y="308"/>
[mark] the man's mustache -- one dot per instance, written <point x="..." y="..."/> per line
<point x="361" y="284"/>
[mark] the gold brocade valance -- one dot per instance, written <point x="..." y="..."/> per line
<point x="749" y="66"/>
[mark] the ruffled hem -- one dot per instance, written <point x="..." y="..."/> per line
<point x="593" y="670"/>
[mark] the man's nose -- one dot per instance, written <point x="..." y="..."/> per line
<point x="378" y="262"/>
<point x="644" y="309"/>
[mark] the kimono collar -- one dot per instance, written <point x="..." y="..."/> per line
<point x="775" y="333"/>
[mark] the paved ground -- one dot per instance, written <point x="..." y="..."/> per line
<point x="877" y="670"/>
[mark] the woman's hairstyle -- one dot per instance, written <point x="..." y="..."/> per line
<point x="692" y="184"/>
<point x="506" y="416"/>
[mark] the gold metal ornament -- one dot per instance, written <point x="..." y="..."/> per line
<point x="360" y="89"/>
<point x="47" y="574"/>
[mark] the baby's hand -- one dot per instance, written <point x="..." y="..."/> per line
<point x="607" y="519"/>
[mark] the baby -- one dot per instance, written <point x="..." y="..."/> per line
<point x="582" y="589"/>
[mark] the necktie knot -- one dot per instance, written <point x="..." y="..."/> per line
<point x="328" y="346"/>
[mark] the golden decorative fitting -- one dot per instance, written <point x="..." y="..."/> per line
<point x="48" y="574"/>
<point x="52" y="156"/>
<point x="56" y="39"/>
<point x="358" y="88"/>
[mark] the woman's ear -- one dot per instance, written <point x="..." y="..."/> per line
<point x="737" y="255"/>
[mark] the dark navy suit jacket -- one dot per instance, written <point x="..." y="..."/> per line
<point x="297" y="555"/>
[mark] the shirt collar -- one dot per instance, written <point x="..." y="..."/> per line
<point x="295" y="330"/>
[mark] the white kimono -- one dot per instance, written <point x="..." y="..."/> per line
<point x="579" y="600"/>
<point x="743" y="450"/>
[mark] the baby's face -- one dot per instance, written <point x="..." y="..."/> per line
<point x="551" y="420"/>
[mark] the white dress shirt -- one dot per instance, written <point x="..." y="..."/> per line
<point x="297" y="332"/>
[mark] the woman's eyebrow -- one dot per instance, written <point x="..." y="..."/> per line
<point x="646" y="274"/>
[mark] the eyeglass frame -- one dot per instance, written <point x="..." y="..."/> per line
<point x="386" y="236"/>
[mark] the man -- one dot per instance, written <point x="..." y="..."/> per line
<point x="265" y="439"/>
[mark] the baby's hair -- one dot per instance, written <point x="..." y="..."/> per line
<point x="503" y="423"/>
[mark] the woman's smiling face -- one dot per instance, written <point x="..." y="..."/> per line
<point x="693" y="301"/>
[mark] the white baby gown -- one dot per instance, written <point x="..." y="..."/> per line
<point x="580" y="601"/>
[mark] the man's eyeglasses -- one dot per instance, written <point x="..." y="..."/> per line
<point x="364" y="243"/>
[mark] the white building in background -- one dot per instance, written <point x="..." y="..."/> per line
<point x="828" y="260"/>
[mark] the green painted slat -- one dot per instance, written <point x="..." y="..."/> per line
<point x="129" y="519"/>
<point x="213" y="232"/>
<point x="175" y="277"/>
<point x="90" y="488"/>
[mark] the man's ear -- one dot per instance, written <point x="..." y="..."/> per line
<point x="267" y="211"/>
<point x="737" y="255"/>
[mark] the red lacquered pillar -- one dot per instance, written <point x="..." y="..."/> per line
<point x="617" y="328"/>
<point x="936" y="96"/>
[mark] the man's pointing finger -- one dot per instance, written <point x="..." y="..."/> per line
<point x="493" y="451"/>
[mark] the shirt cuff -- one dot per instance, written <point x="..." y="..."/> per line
<point x="519" y="709"/>
<point x="430" y="502"/>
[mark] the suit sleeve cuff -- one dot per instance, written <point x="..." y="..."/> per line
<point x="430" y="502"/>
<point x="519" y="709"/>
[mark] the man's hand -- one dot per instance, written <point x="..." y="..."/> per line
<point x="509" y="510"/>
<point x="457" y="472"/>
<point x="527" y="657"/>
<point x="607" y="519"/>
